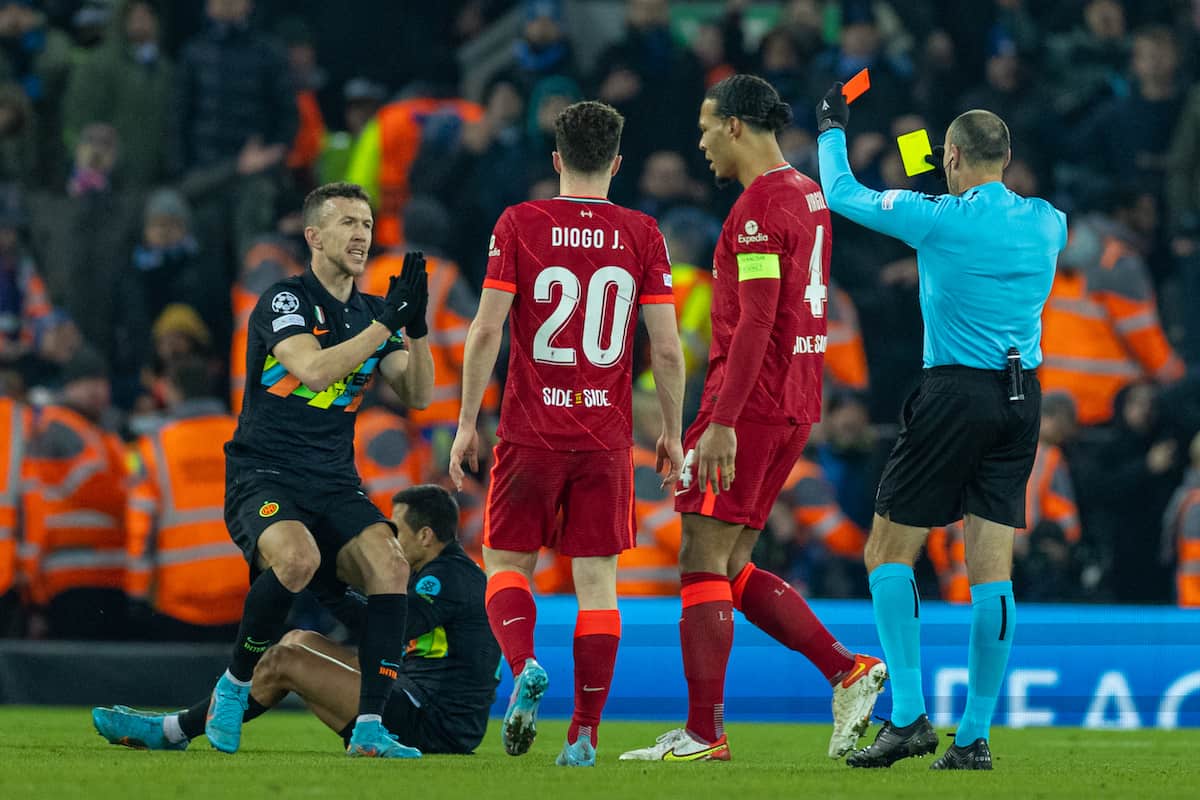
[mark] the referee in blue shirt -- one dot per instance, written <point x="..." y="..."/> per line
<point x="969" y="433"/>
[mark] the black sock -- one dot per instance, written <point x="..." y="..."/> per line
<point x="263" y="618"/>
<point x="381" y="650"/>
<point x="347" y="732"/>
<point x="191" y="722"/>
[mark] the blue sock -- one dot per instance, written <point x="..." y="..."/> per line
<point x="993" y="618"/>
<point x="898" y="619"/>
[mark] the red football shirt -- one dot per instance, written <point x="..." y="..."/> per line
<point x="771" y="272"/>
<point x="578" y="267"/>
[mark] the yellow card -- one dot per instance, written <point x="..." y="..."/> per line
<point x="913" y="149"/>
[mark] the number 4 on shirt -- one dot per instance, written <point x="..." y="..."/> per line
<point x="816" y="293"/>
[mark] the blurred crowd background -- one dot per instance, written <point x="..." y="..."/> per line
<point x="154" y="155"/>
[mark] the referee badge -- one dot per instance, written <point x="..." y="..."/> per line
<point x="269" y="509"/>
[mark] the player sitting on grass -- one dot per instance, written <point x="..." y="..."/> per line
<point x="444" y="689"/>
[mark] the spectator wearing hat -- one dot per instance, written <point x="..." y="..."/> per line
<point x="168" y="265"/>
<point x="543" y="49"/>
<point x="73" y="555"/>
<point x="38" y="57"/>
<point x="126" y="82"/>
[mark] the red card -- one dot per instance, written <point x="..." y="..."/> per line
<point x="855" y="87"/>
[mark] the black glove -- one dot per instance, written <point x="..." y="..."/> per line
<point x="833" y="111"/>
<point x="935" y="160"/>
<point x="418" y="326"/>
<point x="405" y="293"/>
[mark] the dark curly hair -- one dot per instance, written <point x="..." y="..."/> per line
<point x="752" y="100"/>
<point x="588" y="135"/>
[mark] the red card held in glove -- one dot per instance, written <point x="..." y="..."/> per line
<point x="856" y="86"/>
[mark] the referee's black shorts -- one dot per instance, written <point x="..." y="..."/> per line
<point x="963" y="449"/>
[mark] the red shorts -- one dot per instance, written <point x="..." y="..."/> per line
<point x="765" y="457"/>
<point x="530" y="486"/>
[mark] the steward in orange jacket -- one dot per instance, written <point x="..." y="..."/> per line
<point x="453" y="305"/>
<point x="1049" y="497"/>
<point x="811" y="499"/>
<point x="1100" y="325"/>
<point x="1181" y="533"/>
<point x="652" y="567"/>
<point x="73" y="555"/>
<point x="14" y="427"/>
<point x="845" y="356"/>
<point x="182" y="563"/>
<point x="383" y="156"/>
<point x="387" y="454"/>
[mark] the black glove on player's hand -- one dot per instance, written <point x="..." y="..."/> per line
<point x="406" y="293"/>
<point x="935" y="159"/>
<point x="833" y="111"/>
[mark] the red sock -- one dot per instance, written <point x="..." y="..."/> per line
<point x="706" y="637"/>
<point x="775" y="607"/>
<point x="512" y="613"/>
<point x="597" y="634"/>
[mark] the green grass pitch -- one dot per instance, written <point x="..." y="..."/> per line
<point x="54" y="753"/>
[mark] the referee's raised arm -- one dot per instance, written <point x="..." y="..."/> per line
<point x="899" y="213"/>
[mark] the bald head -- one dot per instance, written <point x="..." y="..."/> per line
<point x="981" y="138"/>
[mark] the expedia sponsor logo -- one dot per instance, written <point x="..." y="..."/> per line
<point x="751" y="236"/>
<point x="571" y="398"/>
<point x="269" y="509"/>
<point x="493" y="251"/>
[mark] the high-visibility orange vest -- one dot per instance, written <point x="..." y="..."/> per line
<point x="946" y="549"/>
<point x="1183" y="523"/>
<point x="310" y="136"/>
<point x="388" y="457"/>
<point x="400" y="128"/>
<point x="1101" y="332"/>
<point x="14" y="425"/>
<point x="651" y="568"/>
<point x="1048" y="496"/>
<point x="814" y="505"/>
<point x="181" y="559"/>
<point x="845" y="357"/>
<point x="448" y="328"/>
<point x="265" y="263"/>
<point x="74" y="509"/>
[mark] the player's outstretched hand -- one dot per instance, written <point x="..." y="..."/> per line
<point x="833" y="111"/>
<point x="465" y="448"/>
<point x="936" y="159"/>
<point x="716" y="453"/>
<point x="404" y="293"/>
<point x="670" y="456"/>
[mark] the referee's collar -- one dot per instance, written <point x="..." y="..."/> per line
<point x="324" y="298"/>
<point x="990" y="186"/>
